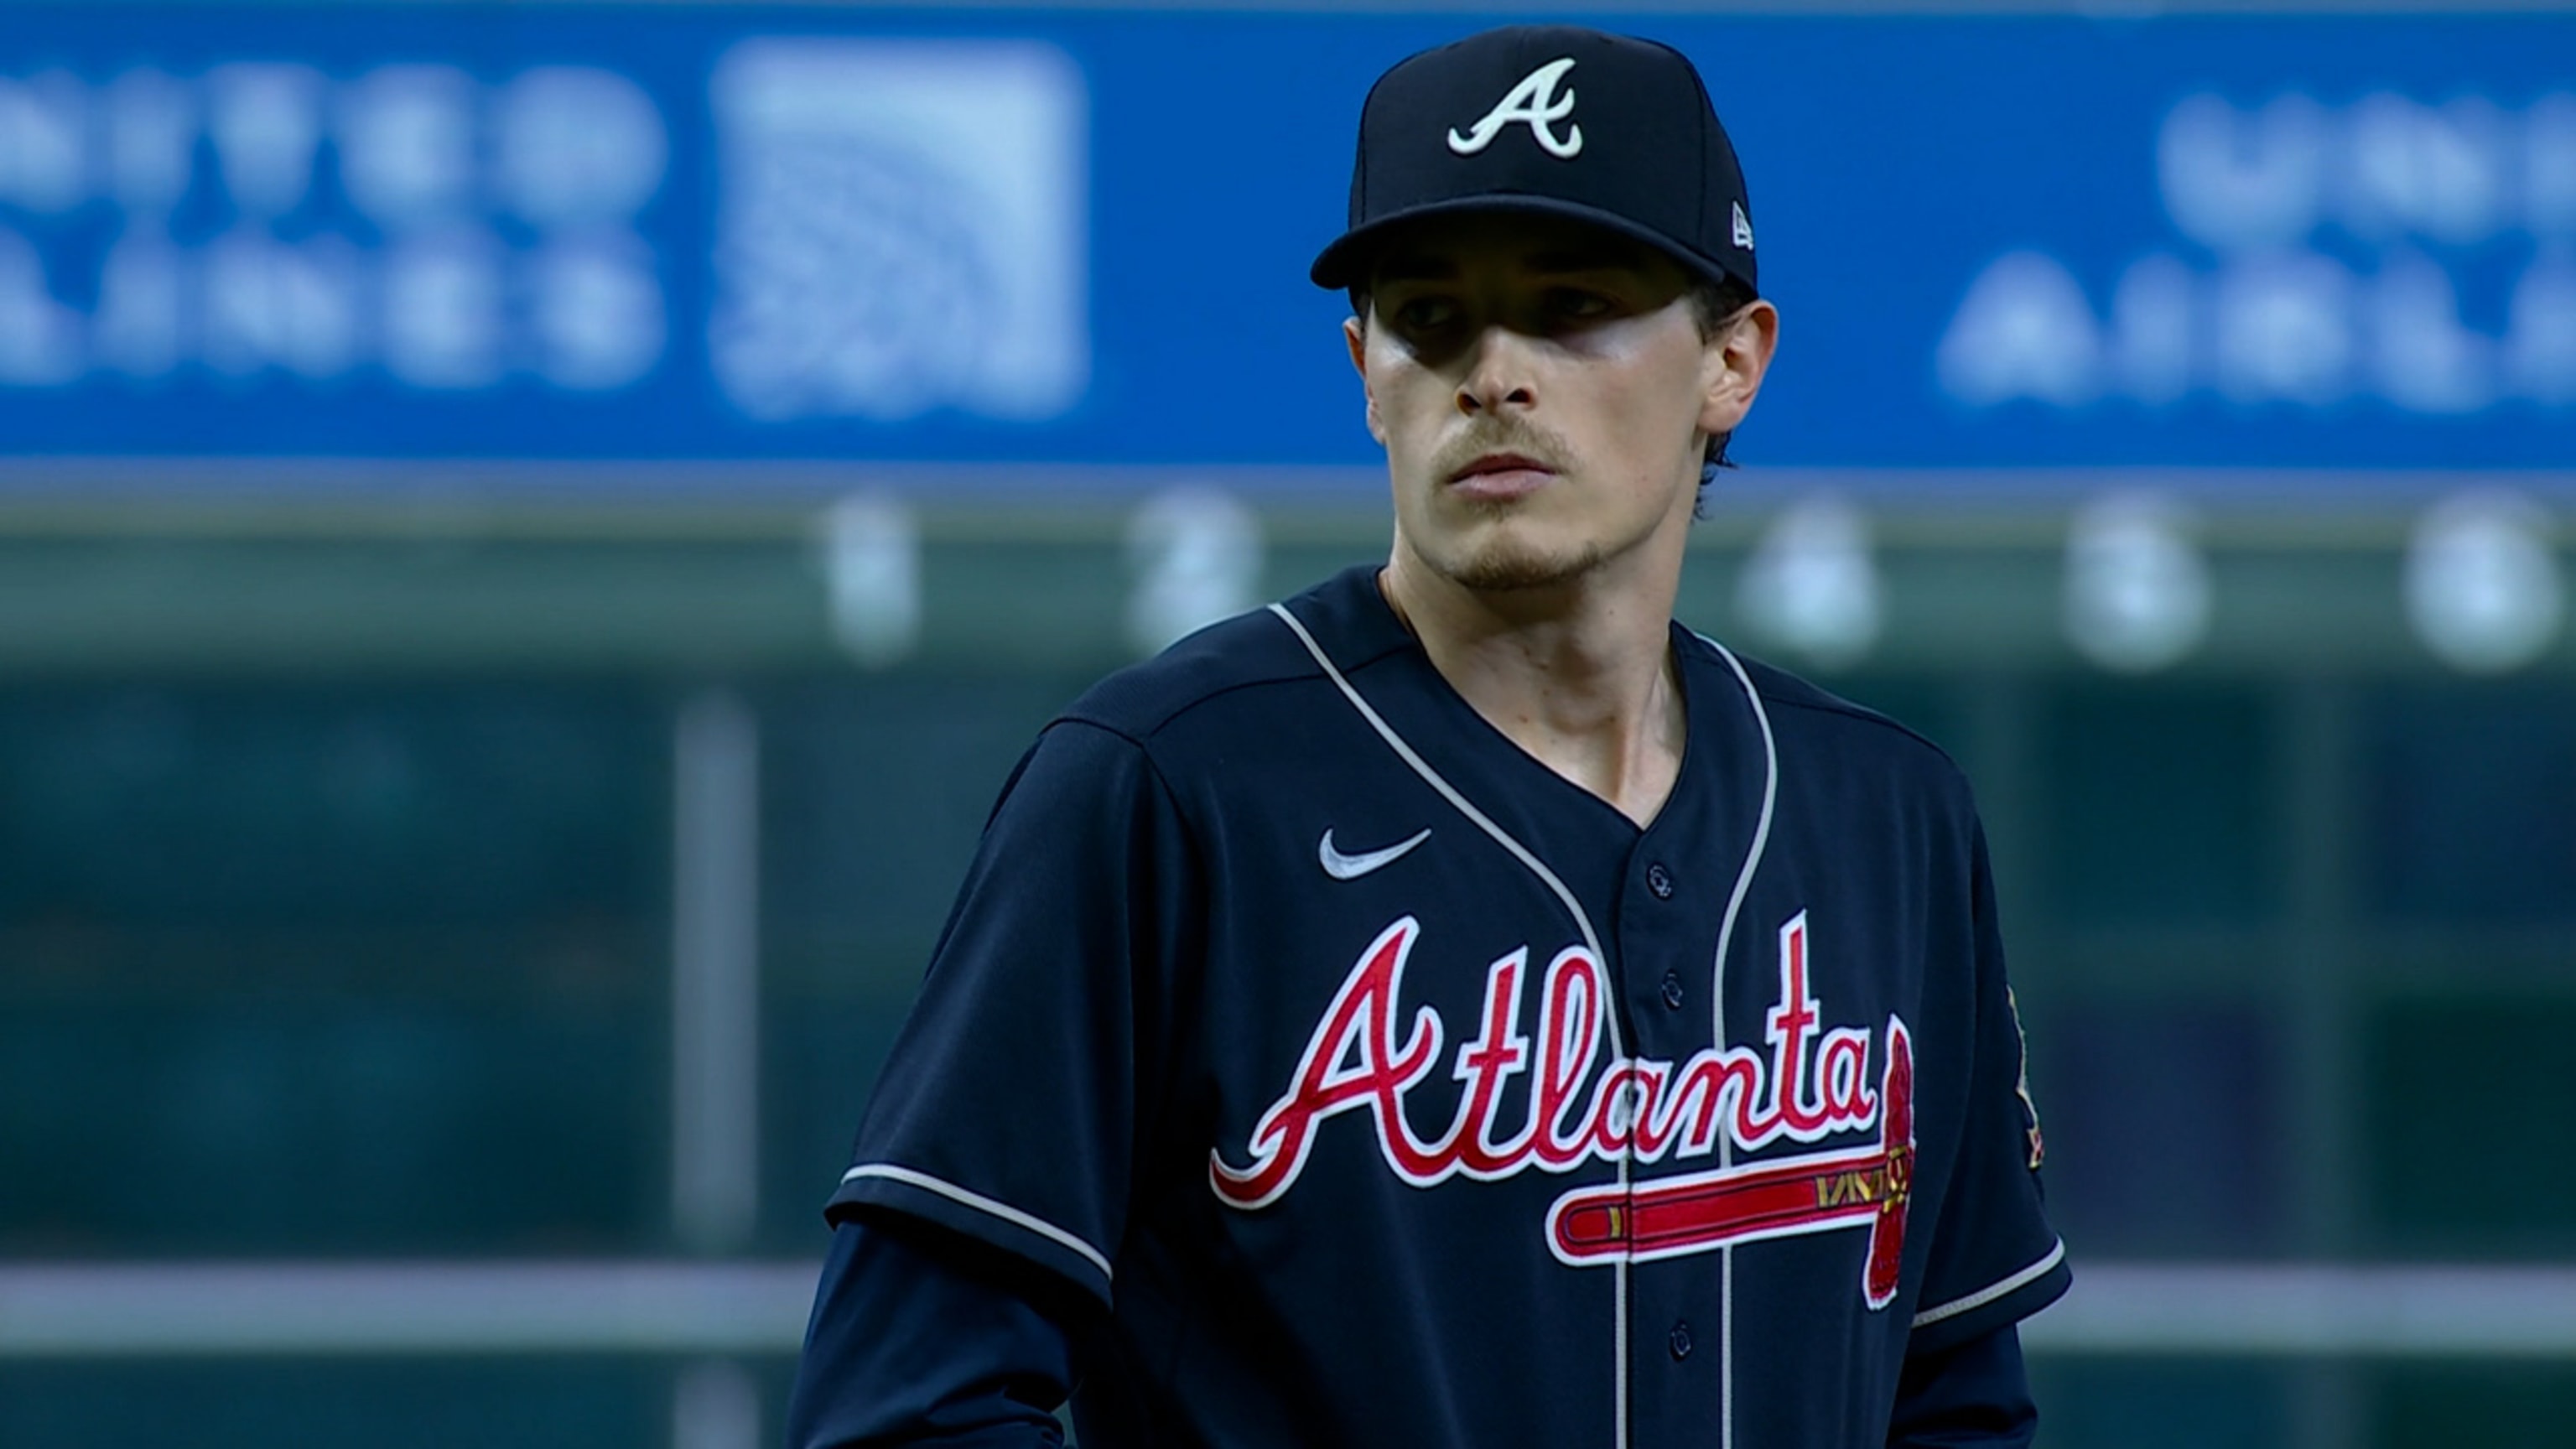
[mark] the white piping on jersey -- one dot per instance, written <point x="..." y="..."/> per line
<point x="1591" y="942"/>
<point x="1984" y="1296"/>
<point x="1448" y="792"/>
<point x="981" y="1204"/>
<point x="1753" y="857"/>
<point x="1717" y="1028"/>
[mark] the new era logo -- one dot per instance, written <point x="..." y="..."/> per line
<point x="1743" y="228"/>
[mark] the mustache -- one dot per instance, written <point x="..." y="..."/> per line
<point x="1530" y="440"/>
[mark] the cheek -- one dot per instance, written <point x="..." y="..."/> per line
<point x="1403" y="398"/>
<point x="1647" y="414"/>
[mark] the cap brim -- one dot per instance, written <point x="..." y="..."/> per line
<point x="1345" y="263"/>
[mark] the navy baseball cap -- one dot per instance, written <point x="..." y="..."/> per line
<point x="1550" y="119"/>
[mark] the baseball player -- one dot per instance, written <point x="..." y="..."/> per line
<point x="1458" y="1006"/>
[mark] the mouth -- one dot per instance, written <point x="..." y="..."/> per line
<point x="1498" y="476"/>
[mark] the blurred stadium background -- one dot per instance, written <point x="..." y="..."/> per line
<point x="531" y="533"/>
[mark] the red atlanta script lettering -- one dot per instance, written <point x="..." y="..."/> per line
<point x="1814" y="1081"/>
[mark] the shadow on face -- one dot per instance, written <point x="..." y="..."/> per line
<point x="1437" y="282"/>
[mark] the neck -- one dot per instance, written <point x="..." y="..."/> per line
<point x="1578" y="674"/>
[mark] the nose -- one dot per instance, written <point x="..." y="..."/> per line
<point x="1498" y="373"/>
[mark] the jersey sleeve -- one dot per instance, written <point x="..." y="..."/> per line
<point x="1015" y="1104"/>
<point x="1977" y="1392"/>
<point x="1994" y="1258"/>
<point x="926" y="1342"/>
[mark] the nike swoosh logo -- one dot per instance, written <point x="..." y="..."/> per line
<point x="1352" y="867"/>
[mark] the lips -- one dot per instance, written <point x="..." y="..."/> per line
<point x="1500" y="463"/>
<point x="1500" y="478"/>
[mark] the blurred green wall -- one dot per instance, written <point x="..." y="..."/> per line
<point x="336" y="884"/>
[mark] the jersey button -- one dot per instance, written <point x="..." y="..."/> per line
<point x="1660" y="881"/>
<point x="1681" y="1341"/>
<point x="1673" y="990"/>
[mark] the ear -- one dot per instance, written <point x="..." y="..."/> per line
<point x="1732" y="366"/>
<point x="1355" y="335"/>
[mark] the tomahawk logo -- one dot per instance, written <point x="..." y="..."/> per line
<point x="1813" y="1083"/>
<point x="1536" y="103"/>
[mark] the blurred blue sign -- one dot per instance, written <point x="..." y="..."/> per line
<point x="581" y="232"/>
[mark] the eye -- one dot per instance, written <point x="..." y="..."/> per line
<point x="1575" y="304"/>
<point x="1425" y="313"/>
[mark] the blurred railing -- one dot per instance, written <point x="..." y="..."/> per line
<point x="229" y="1310"/>
<point x="2240" y="573"/>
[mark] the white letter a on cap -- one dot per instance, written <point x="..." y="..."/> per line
<point x="1535" y="102"/>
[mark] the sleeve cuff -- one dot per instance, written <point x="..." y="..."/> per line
<point x="1023" y="1234"/>
<point x="2009" y="1299"/>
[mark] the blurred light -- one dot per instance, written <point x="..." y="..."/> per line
<point x="2235" y="179"/>
<point x="579" y="147"/>
<point x="272" y="303"/>
<point x="2540" y="347"/>
<point x="2482" y="588"/>
<point x="872" y="569"/>
<point x="2024" y="330"/>
<point x="406" y="136"/>
<point x="443" y="309"/>
<point x="900" y="227"/>
<point x="1812" y="584"/>
<point x="267" y="123"/>
<point x="2138" y="594"/>
<point x="2427" y="361"/>
<point x="599" y="310"/>
<point x="42" y="125"/>
<point x="1196" y="557"/>
<point x="2285" y="329"/>
<point x="151" y="122"/>
<point x="39" y="337"/>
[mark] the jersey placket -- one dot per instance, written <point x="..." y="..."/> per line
<point x="1661" y="975"/>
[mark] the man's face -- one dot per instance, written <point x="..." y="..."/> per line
<point x="1545" y="394"/>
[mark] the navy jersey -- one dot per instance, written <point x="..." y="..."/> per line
<point x="1387" y="1088"/>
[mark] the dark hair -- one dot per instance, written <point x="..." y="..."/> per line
<point x="1712" y="303"/>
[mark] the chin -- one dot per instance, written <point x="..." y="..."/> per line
<point x="1511" y="566"/>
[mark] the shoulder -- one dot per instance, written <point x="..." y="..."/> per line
<point x="1241" y="667"/>
<point x="1807" y="721"/>
<point x="1245" y="653"/>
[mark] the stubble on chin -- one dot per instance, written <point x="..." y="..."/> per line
<point x="1493" y="556"/>
<point x="1504" y="565"/>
